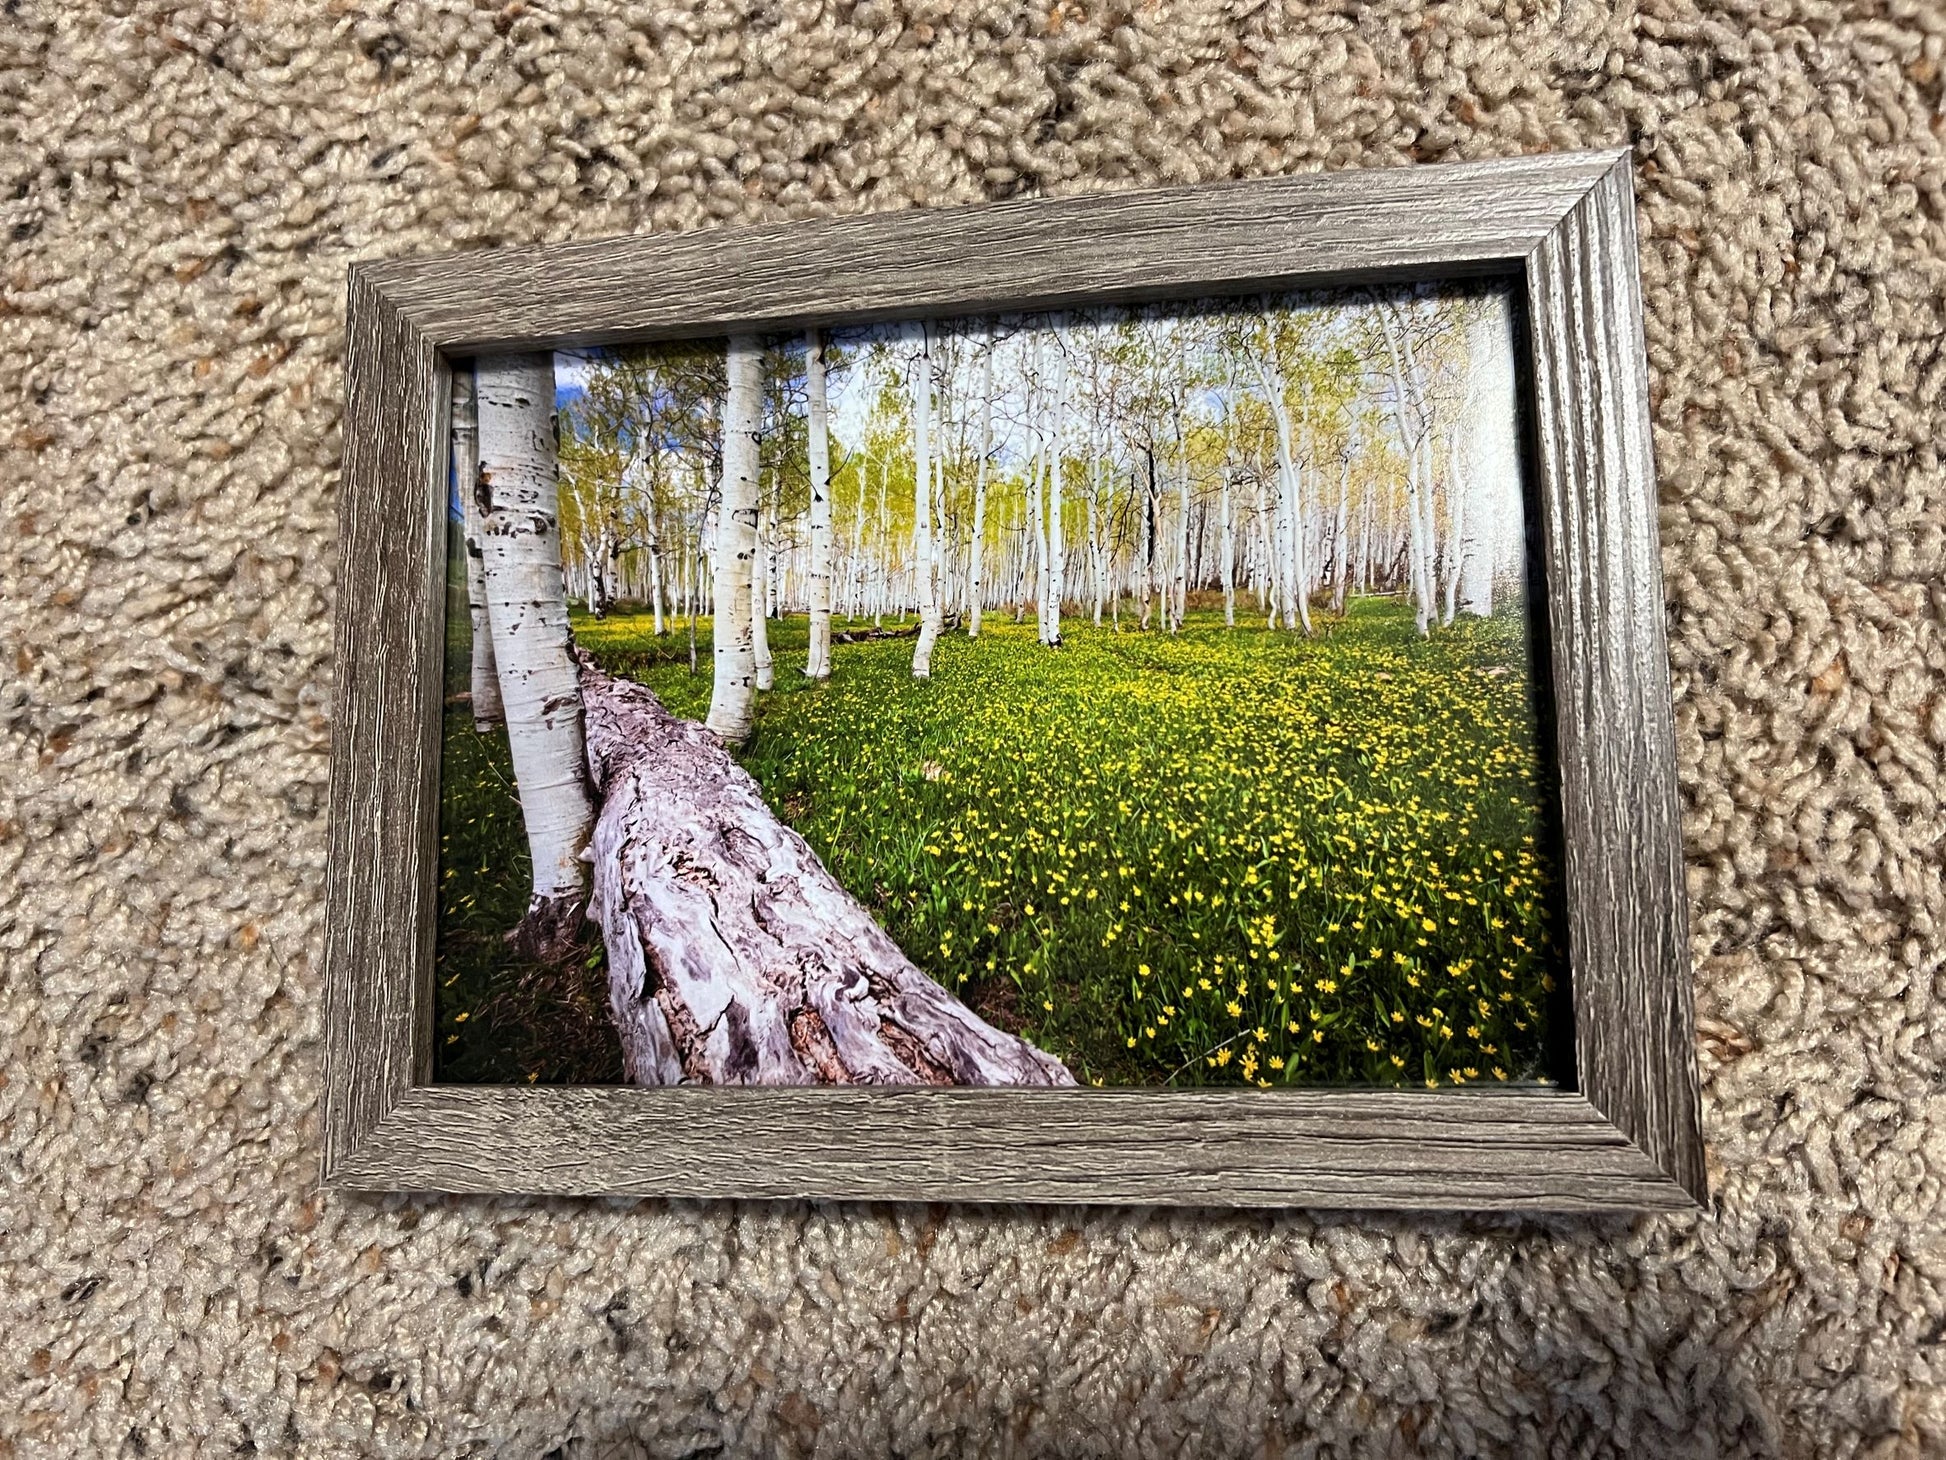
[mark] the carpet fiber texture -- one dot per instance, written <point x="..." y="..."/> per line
<point x="182" y="184"/>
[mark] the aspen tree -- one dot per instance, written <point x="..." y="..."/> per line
<point x="1490" y="428"/>
<point x="1097" y="565"/>
<point x="883" y="586"/>
<point x="1369" y="518"/>
<point x="1228" y="559"/>
<point x="527" y="610"/>
<point x="1423" y="498"/>
<point x="1291" y="514"/>
<point x="927" y="580"/>
<point x="818" y="663"/>
<point x="1179" y="595"/>
<point x="1096" y="468"/>
<point x="762" y="564"/>
<point x="1456" y="528"/>
<point x="1145" y="563"/>
<point x="485" y="681"/>
<point x="1228" y="487"/>
<point x="693" y="573"/>
<point x="1341" y="541"/>
<point x="1178" y="606"/>
<point x="732" y="706"/>
<point x="976" y="567"/>
<point x="1056" y="581"/>
<point x="1265" y="568"/>
<point x="1411" y="443"/>
<point x="654" y="526"/>
<point x="942" y="566"/>
<point x="855" y="578"/>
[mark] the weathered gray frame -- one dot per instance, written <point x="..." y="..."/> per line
<point x="1625" y="1137"/>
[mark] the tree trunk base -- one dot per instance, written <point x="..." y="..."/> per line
<point x="734" y="957"/>
<point x="552" y="931"/>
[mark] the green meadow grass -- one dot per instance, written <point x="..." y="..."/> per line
<point x="1223" y="857"/>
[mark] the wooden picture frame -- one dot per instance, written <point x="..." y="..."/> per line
<point x="1622" y="1133"/>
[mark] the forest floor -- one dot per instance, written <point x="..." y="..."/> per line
<point x="1222" y="857"/>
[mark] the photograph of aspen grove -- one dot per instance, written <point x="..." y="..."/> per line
<point x="1131" y="696"/>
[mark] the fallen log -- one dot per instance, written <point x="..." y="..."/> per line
<point x="866" y="636"/>
<point x="734" y="957"/>
<point x="911" y="631"/>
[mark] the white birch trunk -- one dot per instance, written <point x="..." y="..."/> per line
<point x="485" y="681"/>
<point x="1410" y="444"/>
<point x="1056" y="546"/>
<point x="1272" y="377"/>
<point x="1341" y="542"/>
<point x="762" y="563"/>
<point x="597" y="547"/>
<point x="976" y="567"/>
<point x="1289" y="549"/>
<point x="1180" y="594"/>
<point x="655" y="564"/>
<point x="818" y="663"/>
<point x="1037" y="477"/>
<point x="1456" y="527"/>
<point x="527" y="610"/>
<point x="1228" y="563"/>
<point x="1300" y="572"/>
<point x="883" y="587"/>
<point x="1428" y="533"/>
<point x="1286" y="590"/>
<point x="1267" y="569"/>
<point x="927" y="585"/>
<point x="1493" y="518"/>
<point x="732" y="705"/>
<point x="942" y="527"/>
<point x="855" y="591"/>
<point x="1097" y="568"/>
<point x="1420" y="551"/>
<point x="1368" y="520"/>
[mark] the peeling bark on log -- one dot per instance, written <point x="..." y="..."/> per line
<point x="734" y="957"/>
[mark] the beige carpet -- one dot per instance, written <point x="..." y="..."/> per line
<point x="182" y="184"/>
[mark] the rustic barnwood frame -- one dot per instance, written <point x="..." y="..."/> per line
<point x="1623" y="1134"/>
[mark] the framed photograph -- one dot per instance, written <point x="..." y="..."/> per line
<point x="1150" y="697"/>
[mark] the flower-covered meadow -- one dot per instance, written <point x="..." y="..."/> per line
<point x="1227" y="856"/>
